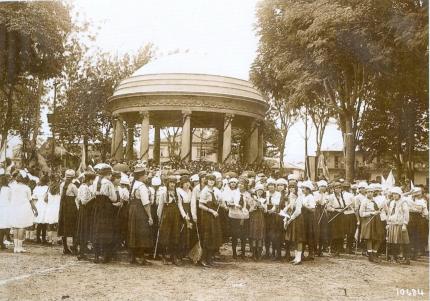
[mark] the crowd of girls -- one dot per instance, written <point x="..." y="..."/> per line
<point x="173" y="217"/>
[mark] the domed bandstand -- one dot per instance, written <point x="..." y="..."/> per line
<point x="189" y="92"/>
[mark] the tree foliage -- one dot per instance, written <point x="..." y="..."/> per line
<point x="338" y="50"/>
<point x="87" y="82"/>
<point x="32" y="43"/>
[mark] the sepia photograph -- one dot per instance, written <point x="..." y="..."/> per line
<point x="214" y="150"/>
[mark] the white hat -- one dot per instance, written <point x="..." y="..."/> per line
<point x="194" y="178"/>
<point x="281" y="181"/>
<point x="308" y="184"/>
<point x="233" y="180"/>
<point x="2" y="172"/>
<point x="370" y="187"/>
<point x="217" y="175"/>
<point x="322" y="183"/>
<point x="362" y="185"/>
<point x="396" y="190"/>
<point x="271" y="181"/>
<point x="124" y="179"/>
<point x="377" y="187"/>
<point x="23" y="173"/>
<point x="416" y="190"/>
<point x="70" y="173"/>
<point x="259" y="187"/>
<point x="156" y="181"/>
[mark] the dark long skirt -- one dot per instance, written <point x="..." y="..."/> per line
<point x="336" y="226"/>
<point x="274" y="229"/>
<point x="257" y="229"/>
<point x="123" y="221"/>
<point x="68" y="217"/>
<point x="350" y="224"/>
<point x="417" y="230"/>
<point x="210" y="229"/>
<point x="139" y="231"/>
<point x="309" y="220"/>
<point x="372" y="228"/>
<point x="103" y="225"/>
<point x="83" y="228"/>
<point x="296" y="231"/>
<point x="90" y="219"/>
<point x="188" y="236"/>
<point x="239" y="228"/>
<point x="225" y="225"/>
<point x="321" y="226"/>
<point x="170" y="226"/>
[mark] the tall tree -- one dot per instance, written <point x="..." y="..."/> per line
<point x="342" y="46"/>
<point x="88" y="81"/>
<point x="32" y="44"/>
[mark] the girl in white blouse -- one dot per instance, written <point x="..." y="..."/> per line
<point x="397" y="224"/>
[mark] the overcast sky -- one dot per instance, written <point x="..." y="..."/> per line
<point x="223" y="27"/>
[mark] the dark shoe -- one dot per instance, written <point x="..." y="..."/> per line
<point x="82" y="257"/>
<point x="297" y="263"/>
<point x="371" y="257"/>
<point x="96" y="259"/>
<point x="67" y="251"/>
<point x="145" y="262"/>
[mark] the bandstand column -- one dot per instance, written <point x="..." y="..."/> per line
<point x="252" y="147"/>
<point x="156" y="150"/>
<point x="260" y="143"/>
<point x="118" y="136"/>
<point x="112" y="147"/>
<point x="226" y="140"/>
<point x="130" y="141"/>
<point x="186" y="136"/>
<point x="144" y="136"/>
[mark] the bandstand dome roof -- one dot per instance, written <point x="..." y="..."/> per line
<point x="194" y="63"/>
<point x="199" y="82"/>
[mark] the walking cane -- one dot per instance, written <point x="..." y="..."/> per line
<point x="343" y="210"/>
<point x="158" y="234"/>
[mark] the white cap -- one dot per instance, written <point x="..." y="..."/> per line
<point x="259" y="187"/>
<point x="370" y="187"/>
<point x="2" y="172"/>
<point x="70" y="173"/>
<point x="396" y="190"/>
<point x="281" y="181"/>
<point x="308" y="184"/>
<point x="377" y="186"/>
<point x="233" y="180"/>
<point x="156" y="181"/>
<point x="271" y="181"/>
<point x="217" y="175"/>
<point x="124" y="179"/>
<point x="194" y="178"/>
<point x="23" y="173"/>
<point x="362" y="185"/>
<point x="322" y="183"/>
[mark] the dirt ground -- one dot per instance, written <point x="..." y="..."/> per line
<point x="45" y="274"/>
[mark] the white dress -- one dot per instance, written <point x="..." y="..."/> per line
<point x="52" y="208"/>
<point x="39" y="194"/>
<point x="4" y="207"/>
<point x="21" y="213"/>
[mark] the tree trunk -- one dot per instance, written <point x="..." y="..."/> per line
<point x="349" y="142"/>
<point x="282" y="151"/>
